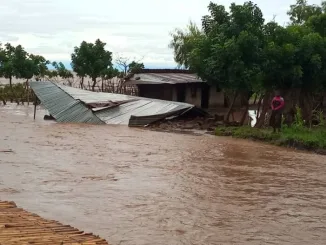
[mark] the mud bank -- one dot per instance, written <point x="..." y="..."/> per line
<point x="179" y="124"/>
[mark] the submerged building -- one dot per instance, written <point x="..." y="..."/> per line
<point x="177" y="85"/>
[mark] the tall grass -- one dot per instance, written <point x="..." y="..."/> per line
<point x="19" y="94"/>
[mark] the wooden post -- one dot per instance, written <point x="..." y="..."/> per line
<point x="27" y="87"/>
<point x="35" y="102"/>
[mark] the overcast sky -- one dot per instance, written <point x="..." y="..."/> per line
<point x="135" y="29"/>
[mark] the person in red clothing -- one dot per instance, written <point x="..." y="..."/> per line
<point x="277" y="111"/>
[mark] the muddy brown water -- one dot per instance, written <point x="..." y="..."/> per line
<point x="133" y="186"/>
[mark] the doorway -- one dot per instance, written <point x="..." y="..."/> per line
<point x="205" y="96"/>
<point x="181" y="93"/>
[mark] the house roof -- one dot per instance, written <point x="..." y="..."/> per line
<point x="68" y="104"/>
<point x="163" y="76"/>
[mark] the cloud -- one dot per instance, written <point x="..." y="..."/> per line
<point x="136" y="29"/>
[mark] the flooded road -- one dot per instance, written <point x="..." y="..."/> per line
<point x="139" y="187"/>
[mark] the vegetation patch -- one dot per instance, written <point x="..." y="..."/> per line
<point x="303" y="138"/>
<point x="18" y="93"/>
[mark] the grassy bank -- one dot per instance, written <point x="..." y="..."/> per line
<point x="294" y="137"/>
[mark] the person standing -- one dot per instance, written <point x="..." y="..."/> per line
<point x="277" y="111"/>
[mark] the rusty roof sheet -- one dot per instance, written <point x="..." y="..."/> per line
<point x="59" y="98"/>
<point x="161" y="78"/>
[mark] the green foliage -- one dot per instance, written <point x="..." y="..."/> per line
<point x="17" y="92"/>
<point x="321" y="118"/>
<point x="128" y="67"/>
<point x="237" y="50"/>
<point x="16" y="62"/>
<point x="91" y="59"/>
<point x="135" y="67"/>
<point x="319" y="114"/>
<point x="110" y="73"/>
<point x="184" y="42"/>
<point x="228" y="50"/>
<point x="300" y="12"/>
<point x="242" y="54"/>
<point x="298" y="119"/>
<point x="60" y="70"/>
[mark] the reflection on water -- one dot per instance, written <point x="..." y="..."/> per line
<point x="133" y="186"/>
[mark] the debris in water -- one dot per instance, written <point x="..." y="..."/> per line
<point x="7" y="151"/>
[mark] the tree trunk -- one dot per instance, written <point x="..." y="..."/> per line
<point x="307" y="107"/>
<point x="102" y="85"/>
<point x="261" y="118"/>
<point x="259" y="106"/>
<point x="3" y="100"/>
<point x="11" y="89"/>
<point x="256" y="96"/>
<point x="227" y="117"/>
<point x="27" y="87"/>
<point x="82" y="83"/>
<point x="245" y="113"/>
<point x="94" y="84"/>
<point x="10" y="82"/>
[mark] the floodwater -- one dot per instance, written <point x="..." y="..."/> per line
<point x="133" y="186"/>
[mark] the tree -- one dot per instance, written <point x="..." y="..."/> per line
<point x="135" y="67"/>
<point x="61" y="70"/>
<point x="301" y="11"/>
<point x="184" y="42"/>
<point x="128" y="67"/>
<point x="40" y="65"/>
<point x="108" y="74"/>
<point x="91" y="59"/>
<point x="241" y="54"/>
<point x="8" y="62"/>
<point x="235" y="48"/>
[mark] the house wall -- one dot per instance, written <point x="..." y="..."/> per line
<point x="174" y="94"/>
<point x="195" y="98"/>
<point x="156" y="91"/>
<point x="216" y="99"/>
<point x="169" y="92"/>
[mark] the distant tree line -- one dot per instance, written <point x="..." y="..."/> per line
<point x="88" y="60"/>
<point x="244" y="55"/>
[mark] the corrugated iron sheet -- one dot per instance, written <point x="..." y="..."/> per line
<point x="67" y="104"/>
<point x="62" y="106"/>
<point x="160" y="78"/>
<point x="150" y="110"/>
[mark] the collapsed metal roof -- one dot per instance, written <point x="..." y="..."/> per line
<point x="68" y="104"/>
